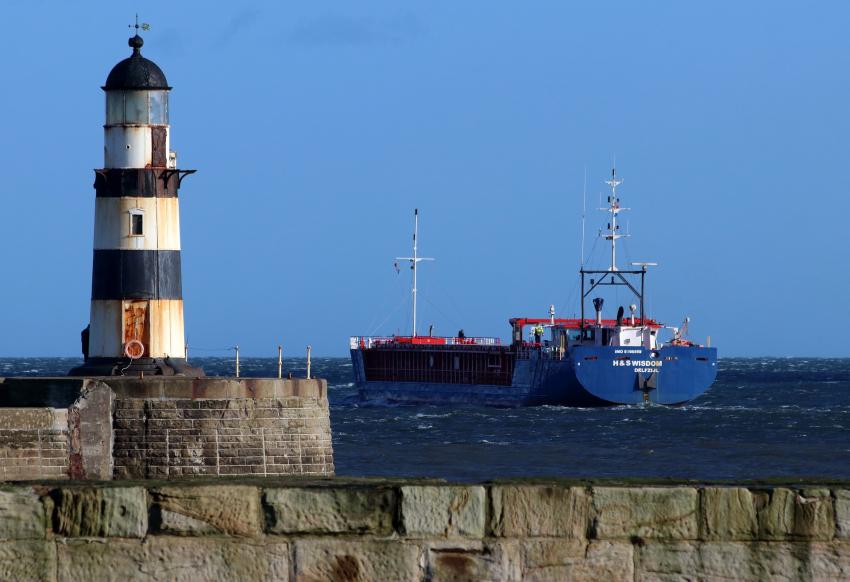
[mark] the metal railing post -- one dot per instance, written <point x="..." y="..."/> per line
<point x="309" y="349"/>
<point x="237" y="360"/>
<point x="280" y="361"/>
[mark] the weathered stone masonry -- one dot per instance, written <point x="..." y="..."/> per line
<point x="69" y="438"/>
<point x="271" y="529"/>
<point x="37" y="446"/>
<point x="131" y="428"/>
<point x="244" y="436"/>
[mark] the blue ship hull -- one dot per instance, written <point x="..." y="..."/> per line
<point x="585" y="376"/>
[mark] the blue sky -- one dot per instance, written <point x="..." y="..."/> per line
<point x="317" y="127"/>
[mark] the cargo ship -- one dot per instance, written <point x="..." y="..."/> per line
<point x="582" y="362"/>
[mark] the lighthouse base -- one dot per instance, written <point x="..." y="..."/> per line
<point x="142" y="366"/>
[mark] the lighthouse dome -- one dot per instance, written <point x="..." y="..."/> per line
<point x="136" y="72"/>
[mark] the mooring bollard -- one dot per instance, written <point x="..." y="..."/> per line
<point x="309" y="349"/>
<point x="237" y="360"/>
<point x="280" y="361"/>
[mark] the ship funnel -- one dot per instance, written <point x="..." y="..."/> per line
<point x="620" y="313"/>
<point x="597" y="305"/>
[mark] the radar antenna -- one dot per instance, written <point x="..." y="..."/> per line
<point x="614" y="208"/>
<point x="414" y="260"/>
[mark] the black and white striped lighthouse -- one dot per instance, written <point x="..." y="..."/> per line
<point x="136" y="321"/>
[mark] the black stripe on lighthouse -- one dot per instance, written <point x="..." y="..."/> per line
<point x="136" y="182"/>
<point x="136" y="274"/>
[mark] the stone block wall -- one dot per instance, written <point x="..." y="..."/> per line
<point x="240" y="436"/>
<point x="336" y="530"/>
<point x="58" y="443"/>
<point x="33" y="444"/>
<point x="143" y="428"/>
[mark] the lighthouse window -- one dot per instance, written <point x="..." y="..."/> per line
<point x="136" y="106"/>
<point x="114" y="107"/>
<point x="137" y="223"/>
<point x="159" y="107"/>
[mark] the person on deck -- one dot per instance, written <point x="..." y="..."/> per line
<point x="538" y="333"/>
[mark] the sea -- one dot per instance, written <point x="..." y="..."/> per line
<point x="764" y="418"/>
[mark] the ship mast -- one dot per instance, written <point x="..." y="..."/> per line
<point x="628" y="277"/>
<point x="414" y="260"/>
<point x="614" y="209"/>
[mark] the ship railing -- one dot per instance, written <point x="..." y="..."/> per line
<point x="477" y="341"/>
<point x="366" y="342"/>
<point x="544" y="351"/>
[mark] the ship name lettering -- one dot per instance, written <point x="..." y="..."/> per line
<point x="639" y="363"/>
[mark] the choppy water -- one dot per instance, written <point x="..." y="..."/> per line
<point x="763" y="418"/>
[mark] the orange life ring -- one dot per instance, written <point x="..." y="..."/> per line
<point x="134" y="349"/>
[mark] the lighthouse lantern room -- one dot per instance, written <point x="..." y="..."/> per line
<point x="136" y="319"/>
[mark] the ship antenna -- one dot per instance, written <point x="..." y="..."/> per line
<point x="414" y="260"/>
<point x="583" y="212"/>
<point x="614" y="208"/>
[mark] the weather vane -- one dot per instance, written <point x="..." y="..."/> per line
<point x="137" y="26"/>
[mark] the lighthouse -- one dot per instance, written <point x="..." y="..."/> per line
<point x="136" y="318"/>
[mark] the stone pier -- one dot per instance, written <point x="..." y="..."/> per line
<point x="379" y="530"/>
<point x="156" y="427"/>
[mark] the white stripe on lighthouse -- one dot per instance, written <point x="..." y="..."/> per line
<point x="160" y="223"/>
<point x="165" y="329"/>
<point x="130" y="146"/>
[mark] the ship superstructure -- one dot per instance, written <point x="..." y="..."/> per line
<point x="563" y="361"/>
